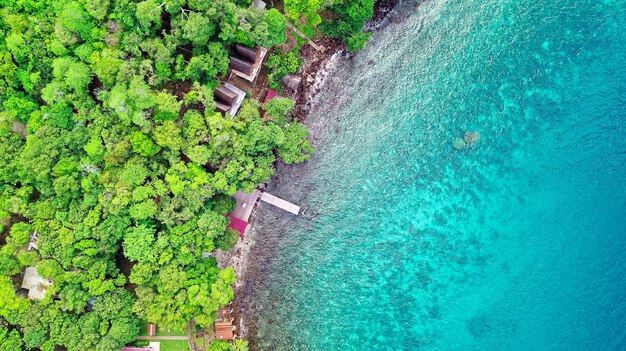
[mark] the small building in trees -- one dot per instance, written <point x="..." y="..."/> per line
<point x="259" y="4"/>
<point x="238" y="219"/>
<point x="228" y="99"/>
<point x="224" y="331"/>
<point x="152" y="329"/>
<point x="246" y="62"/>
<point x="245" y="204"/>
<point x="36" y="285"/>
<point x="271" y="94"/>
<point x="91" y="303"/>
<point x="32" y="244"/>
<point x="237" y="224"/>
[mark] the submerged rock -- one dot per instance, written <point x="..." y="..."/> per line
<point x="469" y="140"/>
<point x="459" y="144"/>
<point x="292" y="81"/>
<point x="472" y="137"/>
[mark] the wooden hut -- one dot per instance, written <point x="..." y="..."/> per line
<point x="246" y="62"/>
<point x="152" y="328"/>
<point x="226" y="95"/>
<point x="239" y="65"/>
<point x="249" y="54"/>
<point x="228" y="99"/>
<point x="224" y="331"/>
<point x="35" y="284"/>
<point x="221" y="108"/>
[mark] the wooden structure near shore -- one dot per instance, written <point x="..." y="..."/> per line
<point x="152" y="328"/>
<point x="224" y="331"/>
<point x="238" y="219"/>
<point x="245" y="204"/>
<point x="280" y="203"/>
<point x="246" y="62"/>
<point x="36" y="285"/>
<point x="228" y="99"/>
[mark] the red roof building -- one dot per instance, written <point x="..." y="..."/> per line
<point x="237" y="224"/>
<point x="269" y="96"/>
<point x="153" y="346"/>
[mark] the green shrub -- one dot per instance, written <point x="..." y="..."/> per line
<point x="281" y="65"/>
<point x="227" y="240"/>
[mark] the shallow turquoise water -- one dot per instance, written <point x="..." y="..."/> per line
<point x="410" y="244"/>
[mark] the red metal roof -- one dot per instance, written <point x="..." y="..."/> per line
<point x="237" y="224"/>
<point x="270" y="95"/>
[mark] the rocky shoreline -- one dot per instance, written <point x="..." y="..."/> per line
<point x="318" y="65"/>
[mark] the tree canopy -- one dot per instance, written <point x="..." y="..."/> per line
<point x="110" y="150"/>
<point x="348" y="21"/>
<point x="345" y="18"/>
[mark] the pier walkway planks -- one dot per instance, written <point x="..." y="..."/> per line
<point x="280" y="203"/>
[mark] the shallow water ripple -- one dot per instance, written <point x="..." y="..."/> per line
<point x="516" y="243"/>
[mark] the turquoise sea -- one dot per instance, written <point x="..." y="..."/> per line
<point x="518" y="243"/>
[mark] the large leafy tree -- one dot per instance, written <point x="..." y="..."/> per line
<point x="110" y="150"/>
<point x="350" y="17"/>
<point x="308" y="9"/>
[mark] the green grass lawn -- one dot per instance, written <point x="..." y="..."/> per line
<point x="160" y="331"/>
<point x="201" y="344"/>
<point x="174" y="345"/>
<point x="169" y="345"/>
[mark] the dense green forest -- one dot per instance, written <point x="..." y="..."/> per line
<point x="110" y="150"/>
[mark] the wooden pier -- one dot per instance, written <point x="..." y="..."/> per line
<point x="280" y="203"/>
<point x="246" y="202"/>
